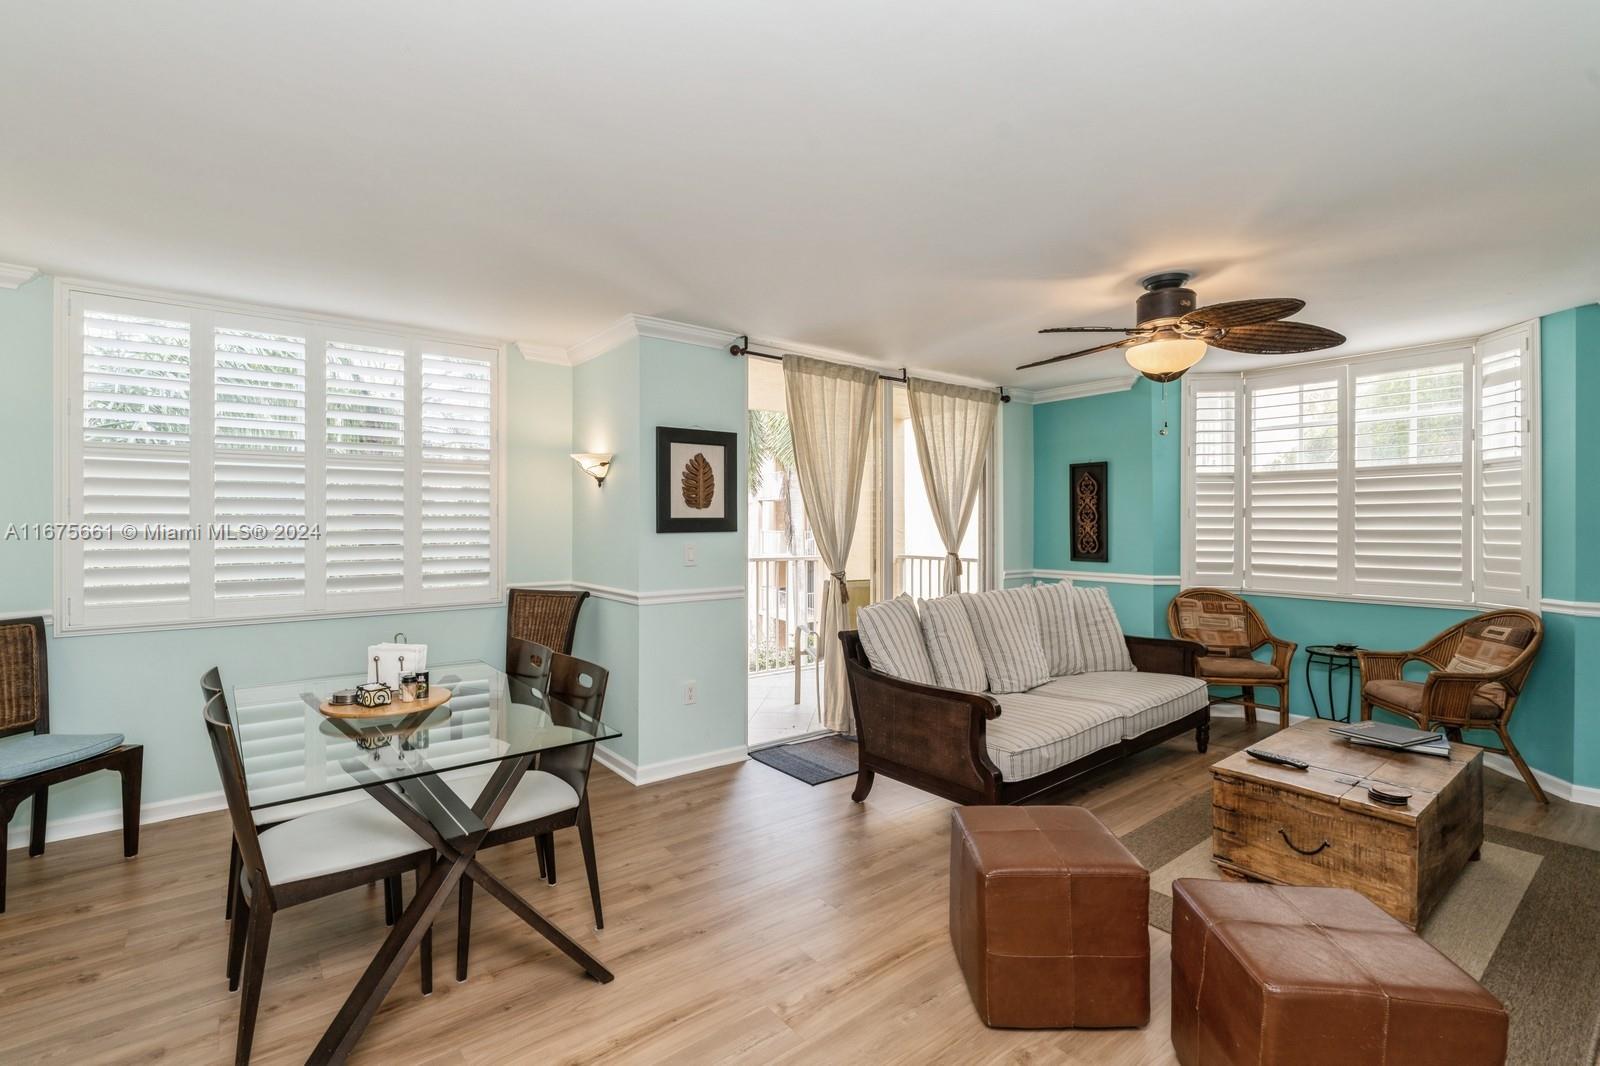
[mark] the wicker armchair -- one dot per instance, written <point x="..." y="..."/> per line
<point x="1458" y="699"/>
<point x="543" y="616"/>
<point x="1198" y="614"/>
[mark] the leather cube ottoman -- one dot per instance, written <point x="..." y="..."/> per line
<point x="1048" y="915"/>
<point x="1265" y="974"/>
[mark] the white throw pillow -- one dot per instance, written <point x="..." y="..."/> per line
<point x="1058" y="630"/>
<point x="1006" y="624"/>
<point x="952" y="648"/>
<point x="1100" y="643"/>
<point x="891" y="635"/>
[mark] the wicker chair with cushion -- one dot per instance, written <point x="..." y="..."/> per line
<point x="543" y="616"/>
<point x="31" y="763"/>
<point x="1480" y="667"/>
<point x="1232" y="631"/>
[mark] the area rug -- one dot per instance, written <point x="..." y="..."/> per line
<point x="814" y="761"/>
<point x="1521" y="920"/>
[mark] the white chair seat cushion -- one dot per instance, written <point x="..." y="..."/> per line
<point x="341" y="838"/>
<point x="283" y="812"/>
<point x="537" y="795"/>
<point x="1037" y="733"/>
<point x="1070" y="717"/>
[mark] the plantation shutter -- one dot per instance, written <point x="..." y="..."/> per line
<point x="1213" y="550"/>
<point x="259" y="472"/>
<point x="1503" y="527"/>
<point x="1292" y="515"/>
<point x="457" y="477"/>
<point x="232" y="463"/>
<point x="1410" y="492"/>
<point x="365" y="525"/>
<point x="129" y="461"/>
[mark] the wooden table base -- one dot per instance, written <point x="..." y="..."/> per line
<point x="432" y="810"/>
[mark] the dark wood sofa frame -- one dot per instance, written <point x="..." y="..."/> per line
<point x="933" y="738"/>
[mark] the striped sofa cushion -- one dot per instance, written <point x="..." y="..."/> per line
<point x="1058" y="632"/>
<point x="1070" y="717"/>
<point x="952" y="649"/>
<point x="1007" y="628"/>
<point x="891" y="635"/>
<point x="1100" y="643"/>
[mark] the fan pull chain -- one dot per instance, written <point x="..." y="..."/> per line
<point x="1163" y="408"/>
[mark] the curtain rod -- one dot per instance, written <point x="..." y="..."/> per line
<point x="742" y="347"/>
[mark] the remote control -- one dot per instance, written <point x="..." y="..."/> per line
<point x="1281" y="760"/>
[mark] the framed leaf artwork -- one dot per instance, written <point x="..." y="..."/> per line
<point x="697" y="490"/>
<point x="1088" y="484"/>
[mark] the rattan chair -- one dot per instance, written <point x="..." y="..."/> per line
<point x="1456" y="699"/>
<point x="1230" y="660"/>
<point x="30" y="764"/>
<point x="544" y="616"/>
<point x="554" y="795"/>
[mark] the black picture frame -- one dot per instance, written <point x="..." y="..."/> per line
<point x="1088" y="510"/>
<point x="723" y="483"/>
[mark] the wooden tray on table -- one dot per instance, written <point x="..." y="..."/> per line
<point x="437" y="697"/>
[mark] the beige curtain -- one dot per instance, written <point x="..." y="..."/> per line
<point x="830" y="421"/>
<point x="953" y="424"/>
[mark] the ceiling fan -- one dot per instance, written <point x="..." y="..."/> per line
<point x="1172" y="334"/>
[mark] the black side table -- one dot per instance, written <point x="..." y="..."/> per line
<point x="1335" y="660"/>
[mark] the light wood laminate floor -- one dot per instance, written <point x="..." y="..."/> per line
<point x="750" y="918"/>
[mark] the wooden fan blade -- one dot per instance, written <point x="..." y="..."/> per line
<point x="1088" y="329"/>
<point x="1277" y="338"/>
<point x="1242" y="313"/>
<point x="1073" y="355"/>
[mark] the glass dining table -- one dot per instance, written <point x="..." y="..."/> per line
<point x="298" y="757"/>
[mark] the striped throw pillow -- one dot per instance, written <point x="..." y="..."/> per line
<point x="1058" y="632"/>
<point x="1100" y="642"/>
<point x="891" y="635"/>
<point x="952" y="648"/>
<point x="1007" y="627"/>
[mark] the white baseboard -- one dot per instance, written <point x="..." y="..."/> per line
<point x="668" y="768"/>
<point x="107" y="821"/>
<point x="1555" y="786"/>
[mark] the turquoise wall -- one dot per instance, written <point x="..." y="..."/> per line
<point x="1016" y="489"/>
<point x="655" y="649"/>
<point x="156" y="673"/>
<point x="1557" y="724"/>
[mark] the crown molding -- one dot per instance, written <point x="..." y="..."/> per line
<point x="543" y="353"/>
<point x="1098" y="387"/>
<point x="13" y="276"/>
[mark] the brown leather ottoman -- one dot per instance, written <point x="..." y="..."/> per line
<point x="1317" y="977"/>
<point x="1048" y="914"/>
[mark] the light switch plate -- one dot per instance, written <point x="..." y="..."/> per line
<point x="689" y="557"/>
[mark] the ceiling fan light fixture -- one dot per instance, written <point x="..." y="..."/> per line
<point x="1166" y="357"/>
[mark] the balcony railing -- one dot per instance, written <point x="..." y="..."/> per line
<point x="922" y="576"/>
<point x="782" y="608"/>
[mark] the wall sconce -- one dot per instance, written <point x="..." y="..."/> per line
<point x="596" y="464"/>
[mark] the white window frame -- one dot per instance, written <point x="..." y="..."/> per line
<point x="317" y="329"/>
<point x="1472" y="351"/>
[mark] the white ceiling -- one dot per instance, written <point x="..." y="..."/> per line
<point x="922" y="183"/>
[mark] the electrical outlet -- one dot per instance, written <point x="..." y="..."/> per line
<point x="691" y="692"/>
<point x="689" y="558"/>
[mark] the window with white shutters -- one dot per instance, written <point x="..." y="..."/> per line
<point x="1292" y="513"/>
<point x="1409" y="476"/>
<point x="1213" y="545"/>
<point x="225" y="463"/>
<point x="1409" y="527"/>
<point x="1507" y="570"/>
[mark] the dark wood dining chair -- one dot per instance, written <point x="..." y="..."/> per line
<point x="554" y="795"/>
<point x="300" y="860"/>
<point x="1232" y="631"/>
<point x="543" y="616"/>
<point x="38" y="758"/>
<point x="1479" y="668"/>
<point x="211" y="687"/>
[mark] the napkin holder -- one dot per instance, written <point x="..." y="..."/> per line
<point x="387" y="663"/>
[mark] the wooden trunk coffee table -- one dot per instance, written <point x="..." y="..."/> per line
<point x="1319" y="827"/>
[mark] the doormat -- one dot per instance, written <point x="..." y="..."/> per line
<point x="815" y="761"/>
